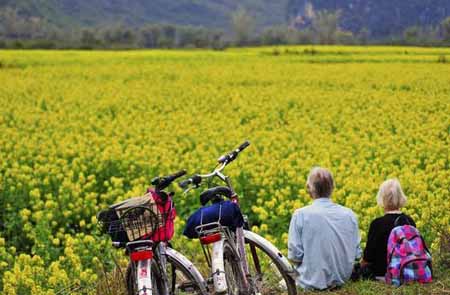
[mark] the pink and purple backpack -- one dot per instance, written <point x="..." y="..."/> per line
<point x="408" y="259"/>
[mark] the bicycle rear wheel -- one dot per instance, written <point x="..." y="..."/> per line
<point x="158" y="285"/>
<point x="233" y="271"/>
<point x="271" y="276"/>
<point x="182" y="277"/>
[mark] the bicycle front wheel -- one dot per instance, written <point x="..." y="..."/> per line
<point x="183" y="276"/>
<point x="271" y="272"/>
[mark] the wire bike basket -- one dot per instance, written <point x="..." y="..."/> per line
<point x="134" y="219"/>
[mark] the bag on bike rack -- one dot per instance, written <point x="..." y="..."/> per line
<point x="225" y="212"/>
<point x="166" y="209"/>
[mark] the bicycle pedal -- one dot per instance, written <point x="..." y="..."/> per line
<point x="186" y="287"/>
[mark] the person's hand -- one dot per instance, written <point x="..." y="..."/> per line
<point x="364" y="263"/>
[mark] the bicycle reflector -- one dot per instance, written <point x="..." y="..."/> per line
<point x="209" y="239"/>
<point x="141" y="255"/>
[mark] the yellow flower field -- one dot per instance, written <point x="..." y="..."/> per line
<point x="81" y="130"/>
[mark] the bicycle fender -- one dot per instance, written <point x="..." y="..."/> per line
<point x="270" y="248"/>
<point x="181" y="259"/>
<point x="218" y="267"/>
<point x="144" y="276"/>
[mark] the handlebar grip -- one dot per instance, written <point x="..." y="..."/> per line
<point x="222" y="159"/>
<point x="179" y="174"/>
<point x="184" y="184"/>
<point x="162" y="183"/>
<point x="194" y="179"/>
<point x="244" y="146"/>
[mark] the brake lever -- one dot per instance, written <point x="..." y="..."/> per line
<point x="191" y="187"/>
<point x="187" y="190"/>
<point x="222" y="159"/>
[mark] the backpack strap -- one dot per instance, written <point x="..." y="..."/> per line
<point x="398" y="219"/>
<point x="429" y="262"/>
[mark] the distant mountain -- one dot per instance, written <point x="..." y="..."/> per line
<point x="380" y="17"/>
<point x="210" y="13"/>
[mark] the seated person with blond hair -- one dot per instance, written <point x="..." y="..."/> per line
<point x="391" y="198"/>
<point x="324" y="239"/>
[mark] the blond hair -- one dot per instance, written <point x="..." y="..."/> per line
<point x="390" y="195"/>
<point x="320" y="183"/>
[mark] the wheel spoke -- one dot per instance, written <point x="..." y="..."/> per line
<point x="267" y="276"/>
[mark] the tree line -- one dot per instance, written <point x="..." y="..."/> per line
<point x="17" y="31"/>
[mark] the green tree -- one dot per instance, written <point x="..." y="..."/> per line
<point x="417" y="35"/>
<point x="88" y="39"/>
<point x="243" y="26"/>
<point x="275" y="35"/>
<point x="411" y="35"/>
<point x="445" y="25"/>
<point x="345" y="37"/>
<point x="325" y="25"/>
<point x="149" y="35"/>
<point x="363" y="36"/>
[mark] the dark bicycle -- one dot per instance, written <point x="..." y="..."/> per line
<point x="241" y="261"/>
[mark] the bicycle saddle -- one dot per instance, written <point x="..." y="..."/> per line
<point x="215" y="194"/>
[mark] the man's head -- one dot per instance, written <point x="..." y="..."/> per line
<point x="320" y="183"/>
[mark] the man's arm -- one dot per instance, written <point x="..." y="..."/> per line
<point x="357" y="239"/>
<point x="295" y="245"/>
<point x="369" y="252"/>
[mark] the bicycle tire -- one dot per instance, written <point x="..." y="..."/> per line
<point x="158" y="284"/>
<point x="274" y="286"/>
<point x="188" y="278"/>
<point x="188" y="284"/>
<point x="233" y="271"/>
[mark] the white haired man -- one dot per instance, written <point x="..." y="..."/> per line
<point x="324" y="241"/>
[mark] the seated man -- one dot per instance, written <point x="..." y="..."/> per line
<point x="324" y="238"/>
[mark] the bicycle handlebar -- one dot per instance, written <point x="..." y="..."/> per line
<point x="231" y="156"/>
<point x="195" y="180"/>
<point x="161" y="183"/>
<point x="223" y="160"/>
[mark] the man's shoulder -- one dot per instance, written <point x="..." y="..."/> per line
<point x="346" y="210"/>
<point x="302" y="210"/>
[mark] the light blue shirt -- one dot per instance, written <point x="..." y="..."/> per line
<point x="324" y="237"/>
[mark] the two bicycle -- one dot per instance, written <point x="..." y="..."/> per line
<point x="240" y="261"/>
